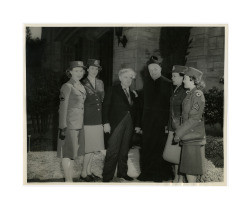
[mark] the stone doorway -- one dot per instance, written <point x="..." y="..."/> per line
<point x="106" y="57"/>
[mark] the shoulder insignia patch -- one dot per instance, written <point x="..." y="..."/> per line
<point x="187" y="92"/>
<point x="198" y="94"/>
<point x="196" y="106"/>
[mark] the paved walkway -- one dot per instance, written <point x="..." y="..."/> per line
<point x="46" y="167"/>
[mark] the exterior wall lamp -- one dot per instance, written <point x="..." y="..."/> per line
<point x="121" y="38"/>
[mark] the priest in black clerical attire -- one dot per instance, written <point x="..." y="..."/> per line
<point x="155" y="114"/>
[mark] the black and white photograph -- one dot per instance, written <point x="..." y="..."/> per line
<point x="125" y="104"/>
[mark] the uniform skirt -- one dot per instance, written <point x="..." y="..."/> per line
<point x="73" y="145"/>
<point x="94" y="138"/>
<point x="192" y="159"/>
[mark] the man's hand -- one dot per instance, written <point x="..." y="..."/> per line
<point x="106" y="128"/>
<point x="176" y="139"/>
<point x="138" y="130"/>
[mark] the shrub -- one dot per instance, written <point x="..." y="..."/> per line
<point x="42" y="99"/>
<point x="214" y="106"/>
<point x="214" y="150"/>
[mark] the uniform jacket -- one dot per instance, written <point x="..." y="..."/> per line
<point x="192" y="114"/>
<point x="175" y="113"/>
<point x="72" y="96"/>
<point x="93" y="102"/>
<point x="116" y="106"/>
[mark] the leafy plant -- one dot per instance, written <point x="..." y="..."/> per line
<point x="215" y="151"/>
<point x="214" y="106"/>
<point x="41" y="85"/>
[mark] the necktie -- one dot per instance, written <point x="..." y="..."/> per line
<point x="92" y="83"/>
<point x="128" y="96"/>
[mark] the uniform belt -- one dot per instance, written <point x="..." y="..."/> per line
<point x="177" y="117"/>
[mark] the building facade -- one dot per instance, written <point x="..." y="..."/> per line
<point x="206" y="50"/>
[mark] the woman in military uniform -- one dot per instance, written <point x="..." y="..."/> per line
<point x="71" y="139"/>
<point x="93" y="129"/>
<point x="191" y="133"/>
<point x="176" y="99"/>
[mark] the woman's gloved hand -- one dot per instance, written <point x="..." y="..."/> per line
<point x="62" y="133"/>
<point x="106" y="128"/>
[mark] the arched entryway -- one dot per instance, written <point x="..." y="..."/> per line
<point x="64" y="44"/>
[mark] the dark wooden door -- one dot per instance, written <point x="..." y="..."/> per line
<point x="106" y="58"/>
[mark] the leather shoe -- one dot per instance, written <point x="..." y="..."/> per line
<point x="88" y="178"/>
<point x="157" y="178"/>
<point x="105" y="180"/>
<point x="96" y="178"/>
<point x="126" y="177"/>
<point x="143" y="177"/>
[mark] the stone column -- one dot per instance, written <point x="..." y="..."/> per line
<point x="142" y="43"/>
<point x="207" y="53"/>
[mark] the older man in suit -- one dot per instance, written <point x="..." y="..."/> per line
<point x="118" y="115"/>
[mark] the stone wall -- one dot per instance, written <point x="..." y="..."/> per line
<point x="207" y="53"/>
<point x="142" y="43"/>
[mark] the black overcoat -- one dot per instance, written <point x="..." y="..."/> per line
<point x="155" y="116"/>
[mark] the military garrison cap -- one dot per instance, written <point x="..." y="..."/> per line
<point x="192" y="72"/>
<point x="74" y="64"/>
<point x="95" y="63"/>
<point x="179" y="69"/>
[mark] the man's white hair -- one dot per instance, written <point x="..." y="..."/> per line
<point x="127" y="70"/>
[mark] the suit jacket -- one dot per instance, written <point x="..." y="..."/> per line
<point x="116" y="106"/>
<point x="71" y="108"/>
<point x="93" y="102"/>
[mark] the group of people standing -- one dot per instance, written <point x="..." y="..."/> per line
<point x="165" y="111"/>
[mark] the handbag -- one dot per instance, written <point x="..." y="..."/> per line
<point x="172" y="152"/>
